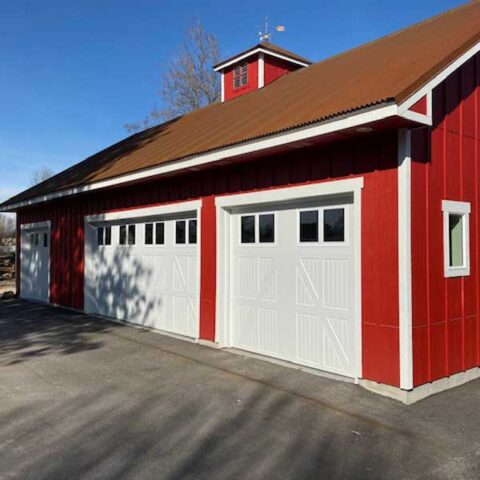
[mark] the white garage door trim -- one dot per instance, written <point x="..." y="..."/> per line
<point x="26" y="228"/>
<point x="224" y="206"/>
<point x="143" y="214"/>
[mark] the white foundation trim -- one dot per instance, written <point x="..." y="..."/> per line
<point x="423" y="391"/>
<point x="405" y="259"/>
<point x="278" y="195"/>
<point x="265" y="51"/>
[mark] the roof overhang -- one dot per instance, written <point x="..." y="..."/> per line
<point x="373" y="117"/>
<point x="254" y="51"/>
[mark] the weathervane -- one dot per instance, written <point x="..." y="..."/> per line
<point x="265" y="36"/>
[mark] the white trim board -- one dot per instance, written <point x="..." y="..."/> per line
<point x="317" y="130"/>
<point x="405" y="259"/>
<point x="171" y="208"/>
<point x="265" y="51"/>
<point x="285" y="194"/>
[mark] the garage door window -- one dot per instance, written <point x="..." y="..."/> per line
<point x="334" y="225"/>
<point x="149" y="234"/>
<point x="123" y="235"/>
<point x="323" y="225"/>
<point x="45" y="240"/>
<point x="309" y="226"/>
<point x="131" y="234"/>
<point x="104" y="236"/>
<point x="257" y="229"/>
<point x="184" y="237"/>
<point x="159" y="233"/>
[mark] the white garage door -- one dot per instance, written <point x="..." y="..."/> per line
<point x="292" y="290"/>
<point x="35" y="263"/>
<point x="145" y="271"/>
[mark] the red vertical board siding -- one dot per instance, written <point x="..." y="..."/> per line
<point x="208" y="267"/>
<point x="446" y="330"/>
<point x="252" y="79"/>
<point x="420" y="106"/>
<point x="276" y="67"/>
<point x="374" y="158"/>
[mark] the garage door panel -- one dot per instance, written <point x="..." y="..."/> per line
<point x="293" y="299"/>
<point x="147" y="280"/>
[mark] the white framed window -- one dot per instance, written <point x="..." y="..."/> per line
<point x="456" y="238"/>
<point x="326" y="225"/>
<point x="104" y="236"/>
<point x="240" y="75"/>
<point x="257" y="228"/>
<point x="186" y="232"/>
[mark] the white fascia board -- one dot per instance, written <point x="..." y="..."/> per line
<point x="299" y="134"/>
<point x="177" y="207"/>
<point x="437" y="80"/>
<point x="261" y="70"/>
<point x="260" y="50"/>
<point x="405" y="259"/>
<point x="288" y="194"/>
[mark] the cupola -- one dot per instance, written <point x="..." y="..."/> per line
<point x="256" y="67"/>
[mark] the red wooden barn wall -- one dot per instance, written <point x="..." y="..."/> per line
<point x="374" y="157"/>
<point x="252" y="79"/>
<point x="446" y="166"/>
<point x="275" y="67"/>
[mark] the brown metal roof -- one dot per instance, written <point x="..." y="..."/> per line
<point x="388" y="69"/>
<point x="267" y="46"/>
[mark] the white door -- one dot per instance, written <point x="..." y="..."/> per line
<point x="145" y="272"/>
<point x="292" y="285"/>
<point x="35" y="264"/>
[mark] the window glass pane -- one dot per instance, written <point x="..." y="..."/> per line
<point x="32" y="238"/>
<point x="36" y="239"/>
<point x="192" y="231"/>
<point x="131" y="234"/>
<point x="248" y="229"/>
<point x="45" y="240"/>
<point x="309" y="226"/>
<point x="334" y="225"/>
<point x="100" y="236"/>
<point x="160" y="233"/>
<point x="149" y="234"/>
<point x="180" y="234"/>
<point x="108" y="235"/>
<point x="267" y="228"/>
<point x="123" y="234"/>
<point x="455" y="234"/>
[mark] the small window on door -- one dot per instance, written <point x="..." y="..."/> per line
<point x="108" y="236"/>
<point x="32" y="239"/>
<point x="456" y="245"/>
<point x="334" y="225"/>
<point x="180" y="232"/>
<point x="247" y="226"/>
<point x="36" y="240"/>
<point x="131" y="234"/>
<point x="159" y="233"/>
<point x="192" y="231"/>
<point x="100" y="236"/>
<point x="45" y="240"/>
<point x="266" y="228"/>
<point x="309" y="226"/>
<point x="149" y="234"/>
<point x="123" y="235"/>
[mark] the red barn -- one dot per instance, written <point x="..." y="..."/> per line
<point x="322" y="214"/>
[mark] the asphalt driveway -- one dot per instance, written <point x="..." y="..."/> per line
<point x="83" y="398"/>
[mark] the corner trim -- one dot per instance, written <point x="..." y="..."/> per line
<point x="405" y="259"/>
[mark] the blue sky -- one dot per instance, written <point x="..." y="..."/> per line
<point x="73" y="73"/>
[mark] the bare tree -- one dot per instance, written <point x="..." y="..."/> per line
<point x="41" y="174"/>
<point x="188" y="82"/>
<point x="7" y="227"/>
